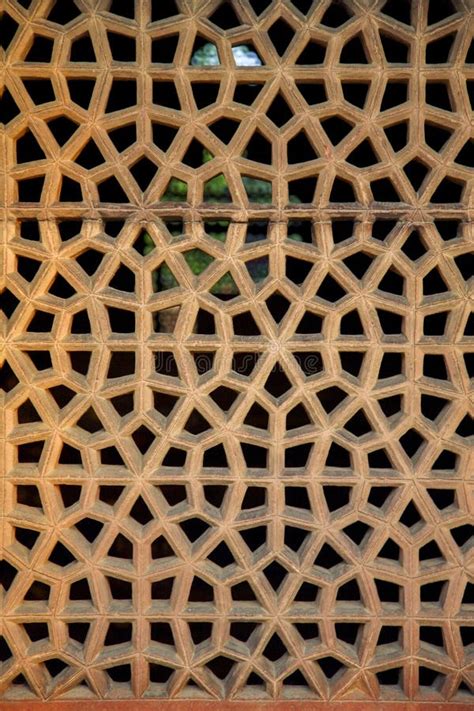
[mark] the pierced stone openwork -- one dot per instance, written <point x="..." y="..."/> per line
<point x="237" y="349"/>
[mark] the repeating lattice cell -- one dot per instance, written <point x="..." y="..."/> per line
<point x="237" y="349"/>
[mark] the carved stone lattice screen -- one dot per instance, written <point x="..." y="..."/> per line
<point x="236" y="350"/>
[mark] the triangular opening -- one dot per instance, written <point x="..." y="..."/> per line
<point x="161" y="548"/>
<point x="281" y="35"/>
<point x="163" y="49"/>
<point x="8" y="30"/>
<point x="197" y="260"/>
<point x="163" y="278"/>
<point x="174" y="457"/>
<point x="196" y="423"/>
<point x="330" y="290"/>
<point x="61" y="556"/>
<point x="297" y="417"/>
<point x="163" y="135"/>
<point x="204" y="93"/>
<point x="412" y="442"/>
<point x="278" y="306"/>
<point x="358" y="424"/>
<point x="354" y="52"/>
<point x="439" y="10"/>
<point x="28" y="149"/>
<point x="164" y="402"/>
<point x="338" y="456"/>
<point x="165" y="319"/>
<point x="196" y="154"/>
<point x="359" y="263"/>
<point x="336" y="15"/>
<point x="349" y="591"/>
<point x="258" y="149"/>
<point x="313" y="53"/>
<point x="336" y="128"/>
<point x="204" y="53"/>
<point x="224" y="17"/>
<point x="304" y="6"/>
<point x="82" y="49"/>
<point x="416" y="172"/>
<point x="342" y="191"/>
<point x="215" y="457"/>
<point x="71" y="190"/>
<point x="279" y="112"/>
<point x="312" y="92"/>
<point x="224" y="128"/>
<point x="275" y="649"/>
<point x="448" y="191"/>
<point x="90" y="261"/>
<point x="330" y="398"/>
<point x="27" y="412"/>
<point x="144" y="170"/>
<point x="217" y="189"/>
<point x="143" y="439"/>
<point x="110" y="190"/>
<point x="9" y="107"/>
<point x="257" y="190"/>
<point x="245" y="55"/>
<point x="110" y="456"/>
<point x="254" y="679"/>
<point x="221" y="555"/>
<point x="275" y="574"/>
<point x="328" y="557"/>
<point x="258" y="269"/>
<point x="140" y="512"/>
<point x="397" y="135"/>
<point x="144" y="243"/>
<point x="123" y="137"/>
<point x="41" y="49"/>
<point x="245" y="325"/>
<point x="205" y="322"/>
<point x="246" y="93"/>
<point x="363" y="155"/>
<point x="395" y="52"/>
<point x="176" y="191"/>
<point x="398" y="10"/>
<point x="62" y="129"/>
<point x="90" y="156"/>
<point x="224" y="397"/>
<point x="163" y="10"/>
<point x="121" y="548"/>
<point x="297" y="270"/>
<point x="277" y="383"/>
<point x="123" y="9"/>
<point x="466" y="154"/>
<point x="300" y="149"/>
<point x="63" y="12"/>
<point x="383" y="190"/>
<point x="257" y="417"/>
<point x="89" y="421"/>
<point x="355" y="92"/>
<point x="61" y="288"/>
<point x="395" y="94"/>
<point x="225" y="287"/>
<point x="310" y="323"/>
<point x="41" y="91"/>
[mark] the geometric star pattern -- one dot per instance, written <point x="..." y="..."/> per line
<point x="237" y="350"/>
